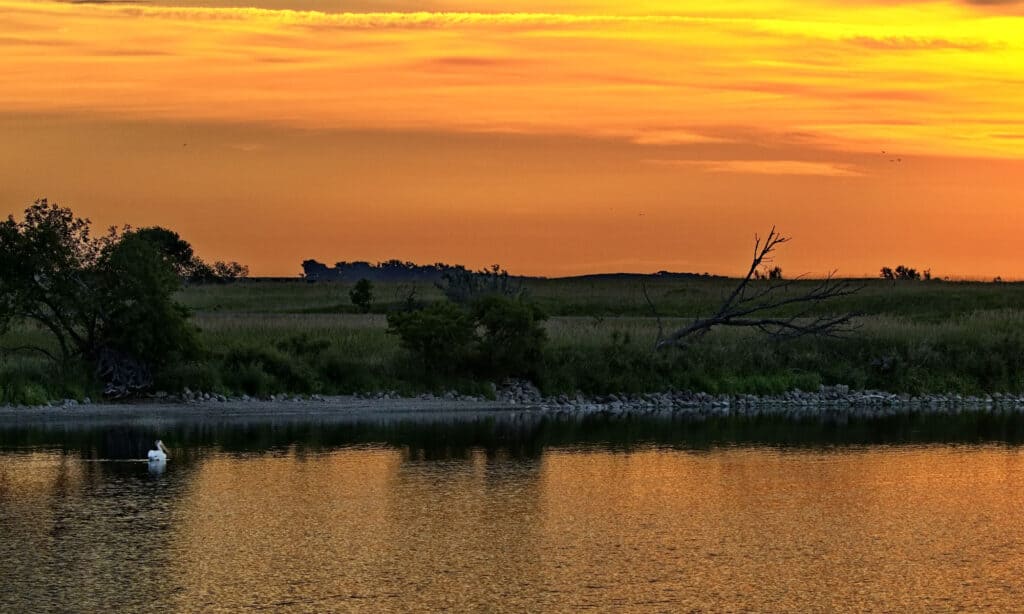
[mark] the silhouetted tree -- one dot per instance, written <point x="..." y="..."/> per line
<point x="362" y="295"/>
<point x="107" y="300"/>
<point x="903" y="273"/>
<point x="463" y="286"/>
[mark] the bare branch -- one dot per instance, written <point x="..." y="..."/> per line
<point x="745" y="305"/>
<point x="654" y="312"/>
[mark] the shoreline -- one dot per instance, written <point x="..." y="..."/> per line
<point x="836" y="402"/>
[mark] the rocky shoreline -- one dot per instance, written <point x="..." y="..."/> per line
<point x="523" y="396"/>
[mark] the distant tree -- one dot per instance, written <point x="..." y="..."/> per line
<point x="106" y="300"/>
<point x="907" y="273"/>
<point x="903" y="273"/>
<point x="229" y="271"/>
<point x="362" y="295"/>
<point x="219" y="272"/>
<point x="773" y="274"/>
<point x="460" y="285"/>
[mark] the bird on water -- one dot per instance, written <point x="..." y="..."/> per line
<point x="159" y="454"/>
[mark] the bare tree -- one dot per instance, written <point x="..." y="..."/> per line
<point x="758" y="304"/>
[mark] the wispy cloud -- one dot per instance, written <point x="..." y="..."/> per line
<point x="767" y="167"/>
<point x="927" y="77"/>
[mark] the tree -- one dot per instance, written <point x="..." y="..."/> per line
<point x="362" y="295"/>
<point x="463" y="286"/>
<point x="904" y="273"/>
<point x="495" y="336"/>
<point x="513" y="335"/>
<point x="760" y="307"/>
<point x="175" y="250"/>
<point x="441" y="336"/>
<point x="219" y="272"/>
<point x="106" y="300"/>
<point x="772" y="274"/>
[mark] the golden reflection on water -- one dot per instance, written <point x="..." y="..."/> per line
<point x="367" y="529"/>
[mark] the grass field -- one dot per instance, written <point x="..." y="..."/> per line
<point x="262" y="337"/>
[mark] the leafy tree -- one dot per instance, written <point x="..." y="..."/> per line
<point x="904" y="273"/>
<point x="441" y="336"/>
<point x="494" y="337"/>
<point x="179" y="254"/>
<point x="229" y="271"/>
<point x="513" y="336"/>
<point x="175" y="250"/>
<point x="362" y="295"/>
<point x="105" y="300"/>
<point x="219" y="272"/>
<point x="463" y="286"/>
<point x="134" y="297"/>
<point x="773" y="274"/>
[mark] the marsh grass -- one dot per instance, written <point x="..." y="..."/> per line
<point x="261" y="338"/>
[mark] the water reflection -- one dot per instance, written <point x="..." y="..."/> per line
<point x="507" y="514"/>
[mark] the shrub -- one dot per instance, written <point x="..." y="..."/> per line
<point x="361" y="295"/>
<point x="441" y="336"/>
<point x="513" y="337"/>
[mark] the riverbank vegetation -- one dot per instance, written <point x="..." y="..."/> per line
<point x="260" y="338"/>
<point x="590" y="335"/>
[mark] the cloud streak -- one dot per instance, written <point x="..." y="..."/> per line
<point x="927" y="78"/>
<point x="767" y="167"/>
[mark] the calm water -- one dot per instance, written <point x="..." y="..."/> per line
<point x="502" y="514"/>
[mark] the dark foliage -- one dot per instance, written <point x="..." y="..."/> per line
<point x="106" y="301"/>
<point x="904" y="273"/>
<point x="460" y="285"/>
<point x="496" y="337"/>
<point x="361" y="295"/>
<point x="513" y="336"/>
<point x="440" y="337"/>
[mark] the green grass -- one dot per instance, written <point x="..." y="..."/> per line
<point x="267" y="337"/>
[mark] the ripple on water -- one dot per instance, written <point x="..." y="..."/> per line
<point x="932" y="527"/>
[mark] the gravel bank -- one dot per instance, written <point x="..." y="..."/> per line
<point x="836" y="401"/>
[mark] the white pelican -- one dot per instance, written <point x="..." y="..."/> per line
<point x="159" y="455"/>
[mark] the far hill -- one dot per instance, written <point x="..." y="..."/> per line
<point x="399" y="271"/>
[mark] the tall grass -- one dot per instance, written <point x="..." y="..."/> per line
<point x="261" y="338"/>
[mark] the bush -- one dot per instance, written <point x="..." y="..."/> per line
<point x="362" y="295"/>
<point x="441" y="337"/>
<point x="513" y="337"/>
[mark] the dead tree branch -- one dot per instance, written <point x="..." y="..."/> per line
<point x="756" y="304"/>
<point x="654" y="312"/>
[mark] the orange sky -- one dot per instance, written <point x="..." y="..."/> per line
<point x="553" y="137"/>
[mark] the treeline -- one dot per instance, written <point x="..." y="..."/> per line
<point x="390" y="270"/>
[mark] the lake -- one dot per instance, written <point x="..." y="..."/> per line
<point x="513" y="512"/>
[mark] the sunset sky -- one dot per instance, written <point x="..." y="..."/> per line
<point x="553" y="137"/>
